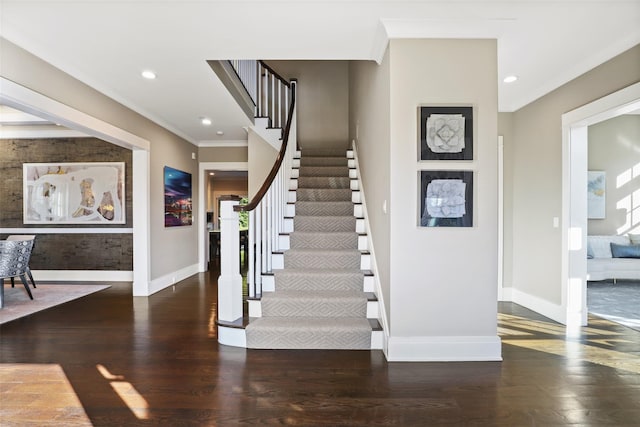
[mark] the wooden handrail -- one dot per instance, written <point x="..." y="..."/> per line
<point x="279" y="159"/>
<point x="278" y="76"/>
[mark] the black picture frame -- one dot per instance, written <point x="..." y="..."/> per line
<point x="444" y="136"/>
<point x="451" y="203"/>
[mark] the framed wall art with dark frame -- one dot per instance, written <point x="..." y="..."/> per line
<point x="446" y="198"/>
<point x="446" y="133"/>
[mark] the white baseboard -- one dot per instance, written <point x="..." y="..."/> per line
<point x="444" y="349"/>
<point x="233" y="337"/>
<point x="548" y="309"/>
<point x="506" y="295"/>
<point x="169" y="279"/>
<point x="82" y="276"/>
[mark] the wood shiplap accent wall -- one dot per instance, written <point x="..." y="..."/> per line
<point x="59" y="251"/>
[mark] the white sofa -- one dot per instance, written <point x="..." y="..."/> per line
<point x="601" y="265"/>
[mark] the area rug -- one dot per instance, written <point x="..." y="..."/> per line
<point x="17" y="303"/>
<point x="619" y="303"/>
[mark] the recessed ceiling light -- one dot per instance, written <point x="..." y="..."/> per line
<point x="219" y="133"/>
<point x="212" y="173"/>
<point x="148" y="74"/>
<point x="205" y="121"/>
<point x="510" y="79"/>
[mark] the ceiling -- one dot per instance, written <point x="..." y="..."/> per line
<point x="107" y="43"/>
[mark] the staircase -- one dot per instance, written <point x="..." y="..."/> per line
<point x="320" y="292"/>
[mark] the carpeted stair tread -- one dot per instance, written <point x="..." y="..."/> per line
<point x="337" y="208"/>
<point x="319" y="279"/>
<point x="324" y="152"/>
<point x="323" y="194"/>
<point x="323" y="171"/>
<point x="321" y="258"/>
<point x="324" y="223"/>
<point x="324" y="161"/>
<point x="325" y="182"/>
<point x="323" y="240"/>
<point x="340" y="333"/>
<point x="314" y="303"/>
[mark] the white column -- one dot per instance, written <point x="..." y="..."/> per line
<point x="230" y="280"/>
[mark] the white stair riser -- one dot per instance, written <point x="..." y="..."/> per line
<point x="369" y="284"/>
<point x="350" y="154"/>
<point x="255" y="308"/>
<point x="377" y="340"/>
<point x="373" y="310"/>
<point x="351" y="163"/>
<point x="295" y="163"/>
<point x="287" y="226"/>
<point x="268" y="283"/>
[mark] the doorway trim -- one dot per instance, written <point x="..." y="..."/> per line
<point x="574" y="190"/>
<point x="203" y="167"/>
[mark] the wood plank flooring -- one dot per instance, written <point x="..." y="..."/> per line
<point x="113" y="360"/>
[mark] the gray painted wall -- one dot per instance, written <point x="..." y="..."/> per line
<point x="536" y="157"/>
<point x="370" y="121"/>
<point x="322" y="101"/>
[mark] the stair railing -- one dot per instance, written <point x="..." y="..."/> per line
<point x="275" y="99"/>
<point x="269" y="91"/>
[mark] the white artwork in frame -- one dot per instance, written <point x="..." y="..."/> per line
<point x="596" y="195"/>
<point x="74" y="193"/>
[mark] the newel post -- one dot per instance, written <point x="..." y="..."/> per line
<point x="230" y="280"/>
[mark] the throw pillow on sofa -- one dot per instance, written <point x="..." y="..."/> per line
<point x="625" y="251"/>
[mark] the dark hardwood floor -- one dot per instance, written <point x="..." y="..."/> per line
<point x="109" y="359"/>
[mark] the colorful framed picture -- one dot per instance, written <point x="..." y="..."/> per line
<point x="446" y="133"/>
<point x="446" y="198"/>
<point x="178" y="209"/>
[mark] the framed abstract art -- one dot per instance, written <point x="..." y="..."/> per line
<point x="446" y="198"/>
<point x="446" y="133"/>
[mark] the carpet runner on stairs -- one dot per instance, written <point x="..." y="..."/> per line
<point x="319" y="300"/>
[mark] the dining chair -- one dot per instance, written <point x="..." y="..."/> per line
<point x="14" y="259"/>
<point x="22" y="237"/>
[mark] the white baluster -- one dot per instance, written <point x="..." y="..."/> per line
<point x="251" y="276"/>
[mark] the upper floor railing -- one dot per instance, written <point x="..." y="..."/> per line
<point x="269" y="92"/>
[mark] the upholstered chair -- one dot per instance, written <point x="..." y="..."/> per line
<point x="14" y="259"/>
<point x="21" y="237"/>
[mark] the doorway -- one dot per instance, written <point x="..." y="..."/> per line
<point x="574" y="186"/>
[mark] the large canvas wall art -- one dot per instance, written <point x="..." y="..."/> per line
<point x="446" y="133"/>
<point x="178" y="209"/>
<point x="73" y="193"/>
<point x="446" y="198"/>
